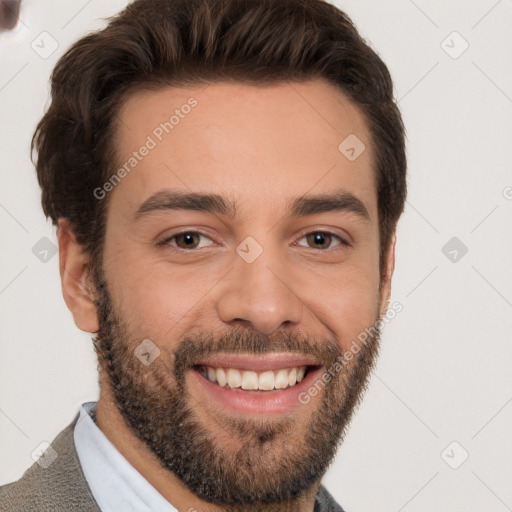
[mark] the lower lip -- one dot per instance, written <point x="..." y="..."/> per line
<point x="255" y="402"/>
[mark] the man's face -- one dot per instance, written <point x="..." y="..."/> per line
<point x="241" y="288"/>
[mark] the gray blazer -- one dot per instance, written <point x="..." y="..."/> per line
<point x="62" y="487"/>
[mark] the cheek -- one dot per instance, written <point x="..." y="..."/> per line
<point x="152" y="298"/>
<point x="357" y="312"/>
<point x="354" y="314"/>
<point x="346" y="302"/>
<point x="157" y="306"/>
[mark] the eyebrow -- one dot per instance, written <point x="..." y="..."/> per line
<point x="170" y="199"/>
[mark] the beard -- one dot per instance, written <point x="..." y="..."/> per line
<point x="255" y="464"/>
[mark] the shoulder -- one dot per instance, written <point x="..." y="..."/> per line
<point x="324" y="502"/>
<point x="60" y="486"/>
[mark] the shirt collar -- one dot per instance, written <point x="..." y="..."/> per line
<point x="114" y="482"/>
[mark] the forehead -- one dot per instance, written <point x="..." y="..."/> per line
<point x="260" y="145"/>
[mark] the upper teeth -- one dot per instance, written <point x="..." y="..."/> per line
<point x="248" y="379"/>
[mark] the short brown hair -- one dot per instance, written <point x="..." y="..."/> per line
<point x="153" y="44"/>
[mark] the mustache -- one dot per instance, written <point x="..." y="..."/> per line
<point x="193" y="348"/>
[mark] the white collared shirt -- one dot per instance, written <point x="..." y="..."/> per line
<point x="115" y="484"/>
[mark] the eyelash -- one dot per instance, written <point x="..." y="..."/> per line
<point x="166" y="241"/>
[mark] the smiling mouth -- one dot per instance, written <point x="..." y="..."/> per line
<point x="254" y="381"/>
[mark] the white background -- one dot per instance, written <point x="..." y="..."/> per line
<point x="444" y="373"/>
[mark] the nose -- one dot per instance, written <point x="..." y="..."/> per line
<point x="260" y="293"/>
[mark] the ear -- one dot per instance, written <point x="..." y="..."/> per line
<point x="385" y="282"/>
<point x="74" y="275"/>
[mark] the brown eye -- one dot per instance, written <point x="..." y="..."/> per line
<point x="185" y="241"/>
<point x="322" y="240"/>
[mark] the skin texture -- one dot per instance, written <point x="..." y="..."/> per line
<point x="260" y="146"/>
